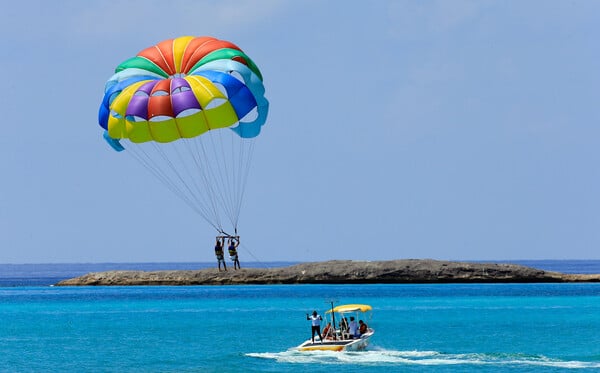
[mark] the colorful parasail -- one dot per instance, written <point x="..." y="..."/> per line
<point x="188" y="109"/>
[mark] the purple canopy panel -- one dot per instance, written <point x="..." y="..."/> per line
<point x="183" y="101"/>
<point x="138" y="106"/>
<point x="178" y="83"/>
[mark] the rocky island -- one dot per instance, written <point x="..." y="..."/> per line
<point x="404" y="271"/>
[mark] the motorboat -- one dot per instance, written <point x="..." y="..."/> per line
<point x="338" y="337"/>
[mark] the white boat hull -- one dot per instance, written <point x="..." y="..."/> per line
<point x="357" y="344"/>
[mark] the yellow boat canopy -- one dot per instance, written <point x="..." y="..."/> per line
<point x="351" y="308"/>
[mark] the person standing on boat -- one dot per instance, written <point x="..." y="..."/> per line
<point x="316" y="325"/>
<point x="353" y="326"/>
<point x="219" y="252"/>
<point x="232" y="248"/>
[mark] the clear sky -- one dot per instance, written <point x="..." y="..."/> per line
<point x="462" y="130"/>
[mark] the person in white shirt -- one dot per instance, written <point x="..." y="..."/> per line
<point x="353" y="326"/>
<point x="316" y="325"/>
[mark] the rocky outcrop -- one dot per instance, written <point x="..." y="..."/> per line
<point x="338" y="272"/>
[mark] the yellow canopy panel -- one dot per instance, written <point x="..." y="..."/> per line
<point x="351" y="308"/>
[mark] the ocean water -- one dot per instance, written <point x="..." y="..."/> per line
<point x="419" y="328"/>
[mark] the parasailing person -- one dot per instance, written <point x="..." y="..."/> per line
<point x="219" y="252"/>
<point x="233" y="254"/>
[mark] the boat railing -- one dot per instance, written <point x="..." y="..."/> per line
<point x="337" y="335"/>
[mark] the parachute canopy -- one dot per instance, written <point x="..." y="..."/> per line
<point x="188" y="109"/>
<point x="182" y="88"/>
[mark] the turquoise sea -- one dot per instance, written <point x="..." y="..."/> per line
<point x="430" y="328"/>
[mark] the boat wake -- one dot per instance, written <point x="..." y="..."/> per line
<point x="390" y="357"/>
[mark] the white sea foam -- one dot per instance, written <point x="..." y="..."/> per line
<point x="429" y="358"/>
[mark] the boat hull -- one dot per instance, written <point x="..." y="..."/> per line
<point x="357" y="344"/>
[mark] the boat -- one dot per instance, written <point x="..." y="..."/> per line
<point x="338" y="339"/>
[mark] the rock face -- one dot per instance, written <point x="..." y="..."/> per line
<point x="338" y="272"/>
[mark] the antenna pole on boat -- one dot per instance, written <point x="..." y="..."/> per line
<point x="333" y="318"/>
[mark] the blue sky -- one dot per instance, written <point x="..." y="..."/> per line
<point x="463" y="130"/>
